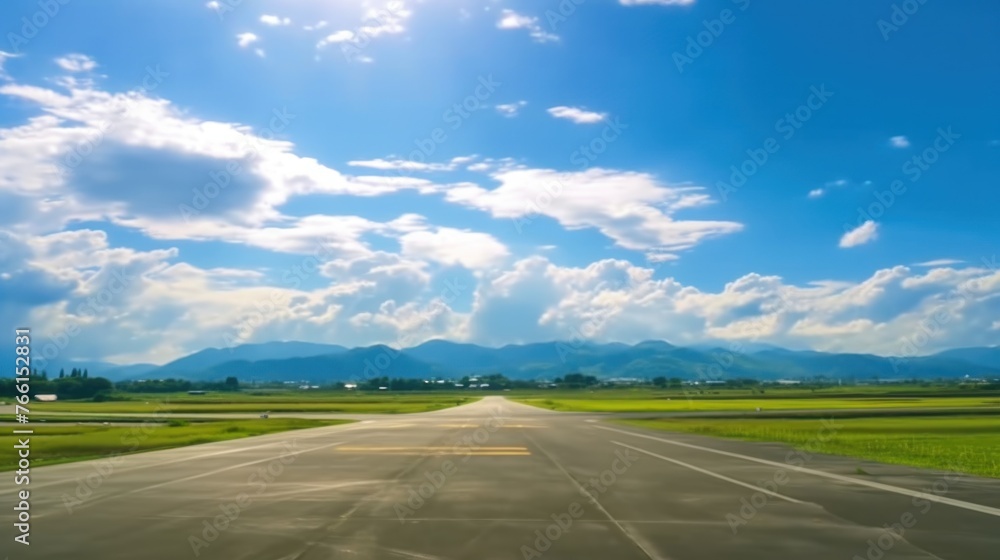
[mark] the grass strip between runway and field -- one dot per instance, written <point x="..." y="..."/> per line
<point x="966" y="444"/>
<point x="63" y="443"/>
<point x="219" y="403"/>
<point x="681" y="404"/>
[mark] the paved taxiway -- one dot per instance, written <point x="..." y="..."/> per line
<point x="498" y="480"/>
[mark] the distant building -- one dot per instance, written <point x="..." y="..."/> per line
<point x="196" y="392"/>
<point x="46" y="398"/>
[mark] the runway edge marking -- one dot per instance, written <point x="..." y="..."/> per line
<point x="876" y="485"/>
<point x="710" y="473"/>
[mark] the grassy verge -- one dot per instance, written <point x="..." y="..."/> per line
<point x="681" y="404"/>
<point x="966" y="444"/>
<point x="180" y="404"/>
<point x="52" y="444"/>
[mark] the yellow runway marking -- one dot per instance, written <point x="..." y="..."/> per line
<point x="480" y="426"/>
<point x="454" y="450"/>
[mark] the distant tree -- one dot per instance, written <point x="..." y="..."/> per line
<point x="660" y="381"/>
<point x="232" y="384"/>
<point x="62" y="373"/>
<point x="84" y="373"/>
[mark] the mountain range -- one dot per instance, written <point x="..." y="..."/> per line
<point x="321" y="363"/>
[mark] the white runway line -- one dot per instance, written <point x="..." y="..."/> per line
<point x="710" y="473"/>
<point x="876" y="485"/>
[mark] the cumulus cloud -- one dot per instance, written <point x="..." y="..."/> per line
<point x="633" y="209"/>
<point x="110" y="294"/>
<point x="577" y="114"/>
<point x="865" y="233"/>
<point x="509" y="19"/>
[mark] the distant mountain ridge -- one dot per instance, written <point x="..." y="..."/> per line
<point x="321" y="363"/>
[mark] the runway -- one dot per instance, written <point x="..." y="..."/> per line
<point x="498" y="480"/>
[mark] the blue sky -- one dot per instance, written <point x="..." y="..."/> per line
<point x="568" y="168"/>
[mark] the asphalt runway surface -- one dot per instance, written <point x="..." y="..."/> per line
<point x="498" y="480"/>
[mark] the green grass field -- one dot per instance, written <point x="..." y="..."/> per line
<point x="255" y="403"/>
<point x="681" y="404"/>
<point x="969" y="444"/>
<point x="63" y="443"/>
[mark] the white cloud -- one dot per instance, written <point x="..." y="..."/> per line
<point x="273" y="20"/>
<point x="633" y="209"/>
<point x="453" y="247"/>
<point x="865" y="233"/>
<point x="939" y="262"/>
<point x="245" y="39"/>
<point x="76" y="63"/>
<point x="3" y="58"/>
<point x="140" y="140"/>
<point x="899" y="142"/>
<point x="510" y="109"/>
<point x="512" y="20"/>
<point x="316" y="26"/>
<point x="380" y="297"/>
<point x="213" y="5"/>
<point x="576" y="114"/>
<point x="396" y="164"/>
<point x="339" y="37"/>
<point x="816" y="193"/>
<point x="376" y="22"/>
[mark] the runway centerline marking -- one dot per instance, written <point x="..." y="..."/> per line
<point x="805" y="470"/>
<point x="710" y="473"/>
<point x="594" y="501"/>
